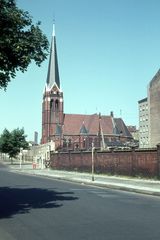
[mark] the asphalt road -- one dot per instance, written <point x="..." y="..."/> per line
<point x="37" y="208"/>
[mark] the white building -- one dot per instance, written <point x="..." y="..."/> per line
<point x="143" y="123"/>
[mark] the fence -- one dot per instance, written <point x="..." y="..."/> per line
<point x="130" y="163"/>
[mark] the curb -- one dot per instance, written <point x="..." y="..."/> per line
<point x="92" y="183"/>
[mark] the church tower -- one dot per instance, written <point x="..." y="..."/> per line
<point x="52" y="106"/>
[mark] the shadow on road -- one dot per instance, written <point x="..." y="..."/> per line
<point x="19" y="201"/>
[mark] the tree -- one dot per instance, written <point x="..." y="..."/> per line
<point x="5" y="141"/>
<point x="20" y="41"/>
<point x="11" y="142"/>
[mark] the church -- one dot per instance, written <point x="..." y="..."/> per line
<point x="75" y="131"/>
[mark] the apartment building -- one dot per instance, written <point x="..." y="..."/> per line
<point x="143" y="123"/>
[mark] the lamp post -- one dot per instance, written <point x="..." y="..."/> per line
<point x="20" y="157"/>
<point x="48" y="152"/>
<point x="93" y="148"/>
<point x="42" y="160"/>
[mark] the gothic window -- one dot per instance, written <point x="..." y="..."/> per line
<point x="84" y="143"/>
<point x="51" y="110"/>
<point x="69" y="143"/>
<point x="56" y="105"/>
<point x="64" y="143"/>
<point x="52" y="104"/>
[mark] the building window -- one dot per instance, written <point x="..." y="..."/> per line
<point x="64" y="143"/>
<point x="56" y="104"/>
<point x="84" y="143"/>
<point x="69" y="143"/>
<point x="52" y="104"/>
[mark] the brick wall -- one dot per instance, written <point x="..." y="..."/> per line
<point x="130" y="163"/>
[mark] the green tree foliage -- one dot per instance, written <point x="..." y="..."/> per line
<point x="5" y="141"/>
<point x="21" y="41"/>
<point x="11" y="142"/>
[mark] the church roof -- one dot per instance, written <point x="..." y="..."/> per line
<point x="73" y="125"/>
<point x="53" y="72"/>
<point x="121" y="127"/>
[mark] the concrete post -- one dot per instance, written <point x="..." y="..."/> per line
<point x="133" y="164"/>
<point x="158" y="160"/>
<point x="93" y="149"/>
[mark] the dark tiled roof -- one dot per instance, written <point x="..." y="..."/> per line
<point x="143" y="100"/>
<point x="122" y="127"/>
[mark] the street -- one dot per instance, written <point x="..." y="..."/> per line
<point x="39" y="208"/>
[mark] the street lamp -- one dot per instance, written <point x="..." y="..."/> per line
<point x="20" y="157"/>
<point x="93" y="148"/>
<point x="41" y="158"/>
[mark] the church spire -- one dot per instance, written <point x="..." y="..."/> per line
<point x="53" y="72"/>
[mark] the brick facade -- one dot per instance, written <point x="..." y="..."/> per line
<point x="130" y="163"/>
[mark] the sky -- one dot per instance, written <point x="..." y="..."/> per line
<point x="108" y="52"/>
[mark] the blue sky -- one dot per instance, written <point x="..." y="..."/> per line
<point x="108" y="51"/>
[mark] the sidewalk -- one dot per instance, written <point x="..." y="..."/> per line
<point x="151" y="187"/>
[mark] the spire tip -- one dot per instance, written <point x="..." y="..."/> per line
<point x="53" y="33"/>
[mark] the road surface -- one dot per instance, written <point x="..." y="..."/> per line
<point x="40" y="208"/>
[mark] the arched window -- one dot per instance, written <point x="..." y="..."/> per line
<point x="64" y="142"/>
<point x="51" y="110"/>
<point x="56" y="105"/>
<point x="69" y="142"/>
<point x="84" y="143"/>
<point x="52" y="104"/>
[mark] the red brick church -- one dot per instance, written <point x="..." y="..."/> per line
<point x="75" y="131"/>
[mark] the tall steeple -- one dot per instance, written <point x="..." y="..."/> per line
<point x="53" y="72"/>
<point x="52" y="106"/>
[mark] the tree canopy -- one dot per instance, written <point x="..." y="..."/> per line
<point x="21" y="41"/>
<point x="11" y="142"/>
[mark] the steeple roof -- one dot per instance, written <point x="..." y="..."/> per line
<point x="53" y="72"/>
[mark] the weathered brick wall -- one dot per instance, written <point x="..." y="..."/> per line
<point x="130" y="163"/>
<point x="154" y="106"/>
<point x="146" y="163"/>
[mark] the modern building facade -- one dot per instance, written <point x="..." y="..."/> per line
<point x="149" y="115"/>
<point x="154" y="109"/>
<point x="75" y="131"/>
<point x="143" y="123"/>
